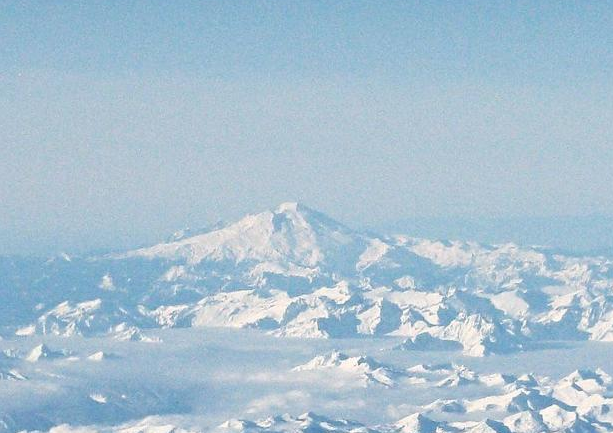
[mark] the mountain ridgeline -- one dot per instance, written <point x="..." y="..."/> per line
<point x="295" y="272"/>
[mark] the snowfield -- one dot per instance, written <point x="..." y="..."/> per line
<point x="289" y="321"/>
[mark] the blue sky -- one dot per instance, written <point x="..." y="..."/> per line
<point x="122" y="122"/>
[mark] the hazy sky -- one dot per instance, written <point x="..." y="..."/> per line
<point x="122" y="121"/>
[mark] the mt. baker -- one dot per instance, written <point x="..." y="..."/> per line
<point x="295" y="272"/>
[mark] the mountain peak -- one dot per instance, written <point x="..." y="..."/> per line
<point x="291" y="234"/>
<point x="289" y="206"/>
<point x="293" y="209"/>
<point x="306" y="215"/>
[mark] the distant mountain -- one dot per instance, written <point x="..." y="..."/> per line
<point x="582" y="234"/>
<point x="293" y="271"/>
<point x="292" y="234"/>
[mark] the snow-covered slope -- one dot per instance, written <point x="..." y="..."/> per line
<point x="290" y="236"/>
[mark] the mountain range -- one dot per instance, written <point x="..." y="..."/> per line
<point x="294" y="272"/>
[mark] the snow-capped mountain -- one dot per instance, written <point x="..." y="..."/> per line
<point x="291" y="236"/>
<point x="295" y="272"/>
<point x="363" y="369"/>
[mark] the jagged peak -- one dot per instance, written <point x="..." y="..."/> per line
<point x="417" y="423"/>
